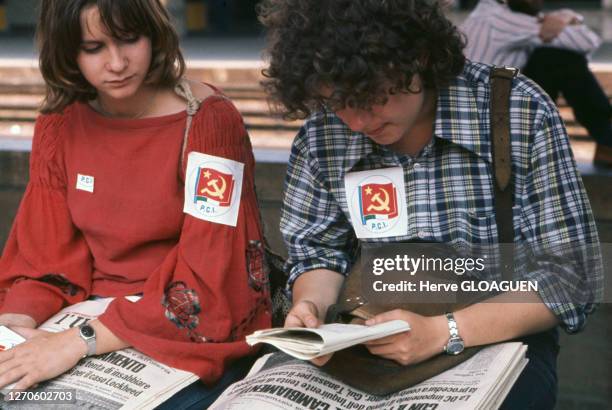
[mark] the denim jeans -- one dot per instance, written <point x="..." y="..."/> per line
<point x="199" y="396"/>
<point x="536" y="387"/>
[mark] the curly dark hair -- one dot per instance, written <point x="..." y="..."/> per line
<point x="359" y="50"/>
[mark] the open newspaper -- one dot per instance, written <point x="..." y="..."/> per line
<point x="278" y="381"/>
<point x="306" y="344"/>
<point x="124" y="379"/>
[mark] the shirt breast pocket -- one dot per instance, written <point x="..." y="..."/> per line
<point x="472" y="228"/>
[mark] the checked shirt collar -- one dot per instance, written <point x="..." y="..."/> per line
<point x="457" y="121"/>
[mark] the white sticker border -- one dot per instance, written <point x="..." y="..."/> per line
<point x="83" y="185"/>
<point x="353" y="180"/>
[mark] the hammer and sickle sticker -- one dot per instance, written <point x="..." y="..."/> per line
<point x="212" y="188"/>
<point x="217" y="192"/>
<point x="383" y="204"/>
<point x="376" y="202"/>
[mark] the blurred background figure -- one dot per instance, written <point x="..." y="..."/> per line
<point x="552" y="49"/>
<point x="3" y="21"/>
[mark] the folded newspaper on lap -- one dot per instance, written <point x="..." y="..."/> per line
<point x="124" y="379"/>
<point x="277" y="381"/>
<point x="306" y="344"/>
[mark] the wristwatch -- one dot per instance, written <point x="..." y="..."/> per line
<point x="455" y="344"/>
<point x="88" y="334"/>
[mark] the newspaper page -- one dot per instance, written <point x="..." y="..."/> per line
<point x="278" y="381"/>
<point x="304" y="343"/>
<point x="124" y="379"/>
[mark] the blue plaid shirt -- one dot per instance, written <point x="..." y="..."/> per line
<point x="448" y="186"/>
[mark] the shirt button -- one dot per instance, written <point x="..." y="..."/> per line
<point x="422" y="234"/>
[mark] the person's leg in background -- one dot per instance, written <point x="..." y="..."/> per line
<point x="558" y="70"/>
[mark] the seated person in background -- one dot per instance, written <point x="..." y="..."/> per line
<point x="385" y="90"/>
<point x="552" y="50"/>
<point x="111" y="114"/>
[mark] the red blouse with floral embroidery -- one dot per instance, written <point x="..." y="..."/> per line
<point x="103" y="215"/>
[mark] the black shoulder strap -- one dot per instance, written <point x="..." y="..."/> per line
<point x="501" y="84"/>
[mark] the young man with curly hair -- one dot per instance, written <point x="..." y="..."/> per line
<point x="384" y="86"/>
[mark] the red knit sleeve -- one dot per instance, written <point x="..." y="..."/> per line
<point x="46" y="263"/>
<point x="212" y="288"/>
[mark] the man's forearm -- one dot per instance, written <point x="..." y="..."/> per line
<point x="501" y="319"/>
<point x="319" y="286"/>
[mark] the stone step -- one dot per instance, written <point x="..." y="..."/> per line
<point x="265" y="133"/>
<point x="9" y="115"/>
<point x="256" y="112"/>
<point x="28" y="75"/>
<point x="22" y="101"/>
<point x="247" y="105"/>
<point x="253" y="120"/>
<point x="264" y="130"/>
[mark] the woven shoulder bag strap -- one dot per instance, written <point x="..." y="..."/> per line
<point x="501" y="150"/>
<point x="183" y="89"/>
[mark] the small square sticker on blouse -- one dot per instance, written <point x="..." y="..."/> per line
<point x="213" y="186"/>
<point x="85" y="183"/>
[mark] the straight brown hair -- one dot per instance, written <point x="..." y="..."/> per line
<point x="59" y="37"/>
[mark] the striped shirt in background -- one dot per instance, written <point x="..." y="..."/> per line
<point x="497" y="35"/>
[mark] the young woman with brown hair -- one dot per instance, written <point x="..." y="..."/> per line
<point x="122" y="201"/>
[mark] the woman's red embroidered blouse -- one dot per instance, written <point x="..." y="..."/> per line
<point x="103" y="215"/>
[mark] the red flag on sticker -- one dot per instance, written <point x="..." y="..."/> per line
<point x="377" y="201"/>
<point x="214" y="186"/>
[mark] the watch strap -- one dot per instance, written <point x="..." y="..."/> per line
<point x="88" y="335"/>
<point x="454" y="345"/>
<point x="452" y="325"/>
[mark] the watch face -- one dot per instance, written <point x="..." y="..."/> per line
<point x="454" y="346"/>
<point x="87" y="331"/>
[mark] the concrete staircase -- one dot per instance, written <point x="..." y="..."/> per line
<point x="21" y="91"/>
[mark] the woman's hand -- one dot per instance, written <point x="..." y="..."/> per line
<point x="306" y="314"/>
<point x="42" y="356"/>
<point x="17" y="319"/>
<point x="426" y="338"/>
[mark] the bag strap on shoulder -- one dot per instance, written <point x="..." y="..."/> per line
<point x="501" y="151"/>
<point x="501" y="84"/>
